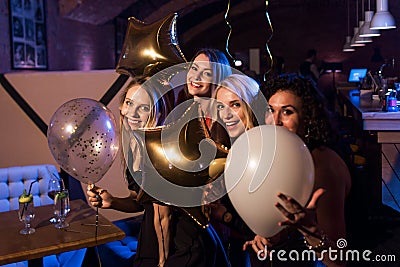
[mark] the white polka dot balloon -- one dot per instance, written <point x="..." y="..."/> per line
<point x="83" y="139"/>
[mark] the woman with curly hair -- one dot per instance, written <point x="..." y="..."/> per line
<point x="294" y="103"/>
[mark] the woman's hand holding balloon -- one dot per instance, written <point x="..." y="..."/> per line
<point x="99" y="197"/>
<point x="83" y="139"/>
<point x="259" y="243"/>
<point x="304" y="219"/>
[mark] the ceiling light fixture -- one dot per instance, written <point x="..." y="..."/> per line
<point x="356" y="40"/>
<point x="347" y="45"/>
<point x="365" y="30"/>
<point x="360" y="39"/>
<point x="382" y="19"/>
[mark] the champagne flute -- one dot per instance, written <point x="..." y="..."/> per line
<point x="54" y="186"/>
<point x="61" y="208"/>
<point x="26" y="213"/>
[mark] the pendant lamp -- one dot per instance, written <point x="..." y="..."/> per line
<point x="353" y="40"/>
<point x="365" y="30"/>
<point x="382" y="19"/>
<point x="347" y="45"/>
<point x="357" y="40"/>
<point x="360" y="39"/>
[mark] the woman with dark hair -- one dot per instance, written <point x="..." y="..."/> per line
<point x="208" y="67"/>
<point x="314" y="120"/>
<point x="216" y="73"/>
<point x="294" y="103"/>
<point x="194" y="245"/>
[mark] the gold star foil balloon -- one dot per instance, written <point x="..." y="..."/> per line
<point x="149" y="48"/>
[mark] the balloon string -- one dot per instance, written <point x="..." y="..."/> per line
<point x="269" y="39"/>
<point x="230" y="31"/>
<point x="95" y="236"/>
<point x="97" y="222"/>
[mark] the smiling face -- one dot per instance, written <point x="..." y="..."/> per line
<point x="200" y="76"/>
<point x="136" y="108"/>
<point x="231" y="110"/>
<point x="285" y="110"/>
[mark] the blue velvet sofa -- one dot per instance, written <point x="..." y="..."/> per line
<point x="122" y="253"/>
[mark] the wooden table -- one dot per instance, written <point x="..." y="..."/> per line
<point x="48" y="240"/>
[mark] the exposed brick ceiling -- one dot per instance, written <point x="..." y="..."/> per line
<point x="98" y="12"/>
<point x="196" y="17"/>
<point x="95" y="12"/>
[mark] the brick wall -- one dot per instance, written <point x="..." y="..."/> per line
<point x="78" y="46"/>
<point x="74" y="45"/>
<point x="71" y="45"/>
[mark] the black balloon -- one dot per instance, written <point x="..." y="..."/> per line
<point x="149" y="48"/>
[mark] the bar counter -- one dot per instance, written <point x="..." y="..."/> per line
<point x="372" y="121"/>
<point x="371" y="111"/>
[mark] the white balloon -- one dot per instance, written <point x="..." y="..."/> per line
<point x="262" y="162"/>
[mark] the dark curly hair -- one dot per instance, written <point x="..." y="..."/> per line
<point x="317" y="121"/>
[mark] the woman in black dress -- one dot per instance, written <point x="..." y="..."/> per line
<point x="138" y="109"/>
<point x="193" y="244"/>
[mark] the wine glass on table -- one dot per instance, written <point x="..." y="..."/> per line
<point x="54" y="187"/>
<point x="26" y="212"/>
<point x="61" y="208"/>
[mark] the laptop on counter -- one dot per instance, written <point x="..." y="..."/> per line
<point x="356" y="75"/>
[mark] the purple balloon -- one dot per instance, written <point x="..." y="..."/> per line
<point x="83" y="139"/>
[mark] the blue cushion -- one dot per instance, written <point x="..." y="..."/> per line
<point x="122" y="253"/>
<point x="66" y="259"/>
<point x="17" y="264"/>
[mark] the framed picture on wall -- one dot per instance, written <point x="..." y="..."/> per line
<point x="28" y="34"/>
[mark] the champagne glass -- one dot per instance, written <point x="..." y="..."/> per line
<point x="61" y="208"/>
<point x="54" y="186"/>
<point x="26" y="213"/>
